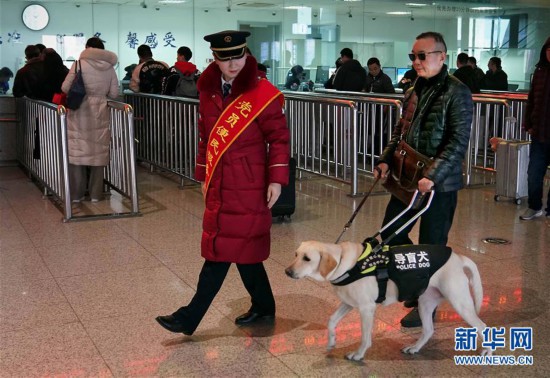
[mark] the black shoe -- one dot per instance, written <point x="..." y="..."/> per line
<point x="170" y="323"/>
<point x="252" y="317"/>
<point x="412" y="319"/>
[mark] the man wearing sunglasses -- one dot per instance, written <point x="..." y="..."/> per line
<point x="436" y="121"/>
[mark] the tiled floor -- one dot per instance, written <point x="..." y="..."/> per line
<point x="79" y="299"/>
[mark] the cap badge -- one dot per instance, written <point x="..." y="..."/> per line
<point x="227" y="39"/>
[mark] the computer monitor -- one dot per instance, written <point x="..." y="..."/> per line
<point x="401" y="73"/>
<point x="391" y="72"/>
<point x="321" y="76"/>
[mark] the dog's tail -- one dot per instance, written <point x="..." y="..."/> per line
<point x="475" y="281"/>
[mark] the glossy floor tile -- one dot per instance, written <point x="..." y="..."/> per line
<point x="79" y="299"/>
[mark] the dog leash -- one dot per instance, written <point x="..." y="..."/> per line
<point x="348" y="225"/>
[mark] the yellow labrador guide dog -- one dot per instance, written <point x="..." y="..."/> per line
<point x="447" y="277"/>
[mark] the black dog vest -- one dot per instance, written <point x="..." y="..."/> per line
<point x="410" y="267"/>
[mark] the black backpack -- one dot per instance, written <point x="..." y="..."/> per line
<point x="150" y="77"/>
<point x="187" y="85"/>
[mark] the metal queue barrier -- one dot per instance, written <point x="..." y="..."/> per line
<point x="166" y="132"/>
<point x="120" y="174"/>
<point x="42" y="146"/>
<point x="517" y="103"/>
<point x="339" y="135"/>
<point x="167" y="136"/>
<point x="43" y="151"/>
<point x="321" y="133"/>
<point x="377" y="115"/>
<point x="498" y="115"/>
<point x="344" y="145"/>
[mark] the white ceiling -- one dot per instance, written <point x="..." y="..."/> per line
<point x="439" y="8"/>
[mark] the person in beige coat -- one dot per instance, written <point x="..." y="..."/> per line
<point x="88" y="127"/>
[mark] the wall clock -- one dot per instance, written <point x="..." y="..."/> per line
<point x="35" y="17"/>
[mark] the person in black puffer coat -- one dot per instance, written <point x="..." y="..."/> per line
<point x="294" y="77"/>
<point x="495" y="78"/>
<point x="537" y="124"/>
<point x="377" y="81"/>
<point x="436" y="122"/>
<point x="351" y="76"/>
<point x="55" y="72"/>
<point x="466" y="73"/>
<point x="29" y="80"/>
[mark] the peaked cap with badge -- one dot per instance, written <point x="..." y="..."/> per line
<point x="228" y="44"/>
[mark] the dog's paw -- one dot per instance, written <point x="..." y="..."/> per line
<point x="411" y="349"/>
<point x="355" y="356"/>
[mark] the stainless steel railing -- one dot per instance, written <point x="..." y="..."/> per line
<point x="339" y="135"/>
<point x="493" y="117"/>
<point x="377" y="114"/>
<point x="166" y="132"/>
<point x="42" y="150"/>
<point x="345" y="143"/>
<point x="321" y="130"/>
<point x="42" y="145"/>
<point x="120" y="174"/>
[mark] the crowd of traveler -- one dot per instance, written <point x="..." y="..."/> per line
<point x="351" y="76"/>
<point x="45" y="66"/>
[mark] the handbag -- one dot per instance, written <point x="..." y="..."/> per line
<point x="76" y="93"/>
<point x="408" y="167"/>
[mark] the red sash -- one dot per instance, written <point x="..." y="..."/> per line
<point x="236" y="117"/>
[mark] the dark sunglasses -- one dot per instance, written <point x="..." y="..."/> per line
<point x="422" y="56"/>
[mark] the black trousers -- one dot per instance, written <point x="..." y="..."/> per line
<point x="435" y="223"/>
<point x="211" y="278"/>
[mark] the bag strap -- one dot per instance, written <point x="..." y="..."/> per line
<point x="397" y="169"/>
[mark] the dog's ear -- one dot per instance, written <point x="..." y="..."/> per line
<point x="327" y="264"/>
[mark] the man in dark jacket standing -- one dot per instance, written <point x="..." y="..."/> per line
<point x="240" y="115"/>
<point x="377" y="81"/>
<point x="478" y="72"/>
<point x="436" y="121"/>
<point x="351" y="75"/>
<point x="537" y="124"/>
<point x="495" y="78"/>
<point x="466" y="73"/>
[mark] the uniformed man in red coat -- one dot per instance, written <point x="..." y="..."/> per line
<point x="240" y="116"/>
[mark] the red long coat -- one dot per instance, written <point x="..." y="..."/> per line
<point x="237" y="221"/>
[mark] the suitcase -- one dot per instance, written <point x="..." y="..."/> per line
<point x="286" y="204"/>
<point x="512" y="160"/>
